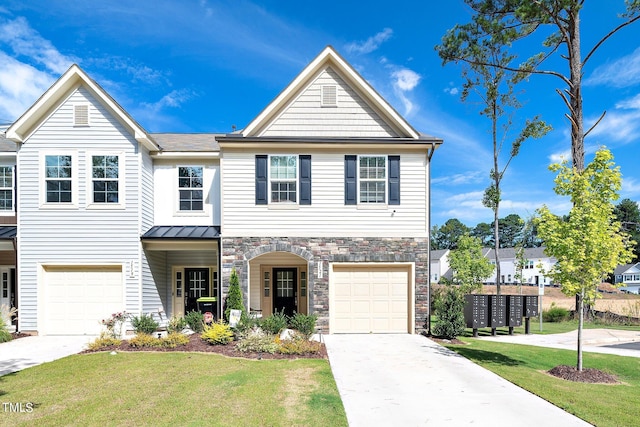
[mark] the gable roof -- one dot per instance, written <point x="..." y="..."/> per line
<point x="71" y="79"/>
<point x="330" y="58"/>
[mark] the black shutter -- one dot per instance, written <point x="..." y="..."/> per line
<point x="262" y="197"/>
<point x="305" y="179"/>
<point x="350" y="180"/>
<point x="394" y="180"/>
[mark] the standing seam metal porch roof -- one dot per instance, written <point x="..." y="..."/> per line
<point x="182" y="232"/>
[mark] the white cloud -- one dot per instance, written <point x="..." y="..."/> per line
<point x="630" y="188"/>
<point x="560" y="157"/>
<point x="173" y="99"/>
<point x="630" y="104"/>
<point x="472" y="177"/>
<point x="451" y="90"/>
<point x="26" y="42"/>
<point x="371" y="44"/>
<point x="624" y="72"/>
<point x="20" y="86"/>
<point x="617" y="126"/>
<point x="404" y="81"/>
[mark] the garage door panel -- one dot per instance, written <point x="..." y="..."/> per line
<point x="370" y="299"/>
<point x="78" y="298"/>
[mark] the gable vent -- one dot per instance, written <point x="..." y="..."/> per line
<point x="81" y="115"/>
<point x="329" y="96"/>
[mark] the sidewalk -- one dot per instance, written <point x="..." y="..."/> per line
<point x="25" y="352"/>
<point x="593" y="340"/>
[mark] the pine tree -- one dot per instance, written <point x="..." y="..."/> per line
<point x="234" y="297"/>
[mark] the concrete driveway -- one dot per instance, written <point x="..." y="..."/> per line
<point x="25" y="352"/>
<point x="409" y="380"/>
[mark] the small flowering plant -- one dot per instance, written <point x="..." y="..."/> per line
<point x="114" y="323"/>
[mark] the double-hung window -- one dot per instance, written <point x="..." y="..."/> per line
<point x="373" y="179"/>
<point x="105" y="175"/>
<point x="6" y="188"/>
<point x="58" y="178"/>
<point x="283" y="178"/>
<point x="190" y="188"/>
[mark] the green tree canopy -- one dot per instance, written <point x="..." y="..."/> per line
<point x="589" y="243"/>
<point x="628" y="214"/>
<point x="470" y="267"/>
<point x="446" y="237"/>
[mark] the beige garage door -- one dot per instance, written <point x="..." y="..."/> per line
<point x="370" y="299"/>
<point x="78" y="298"/>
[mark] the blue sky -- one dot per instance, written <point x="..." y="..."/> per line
<point x="205" y="66"/>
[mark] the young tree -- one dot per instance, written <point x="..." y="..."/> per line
<point x="234" y="297"/>
<point x="486" y="72"/>
<point x="589" y="243"/>
<point x="449" y="307"/>
<point x="556" y="20"/>
<point x="470" y="267"/>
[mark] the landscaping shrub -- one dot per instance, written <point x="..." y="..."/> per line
<point x="144" y="324"/>
<point x="195" y="321"/>
<point x="217" y="333"/>
<point x="304" y="323"/>
<point x="105" y="340"/>
<point x="449" y="309"/>
<point x="174" y="339"/>
<point x="298" y="344"/>
<point x="234" y="297"/>
<point x="258" y="340"/>
<point x="114" y="324"/>
<point x="176" y="324"/>
<point x="144" y="340"/>
<point x="555" y="314"/>
<point x="6" y="314"/>
<point x="275" y="323"/>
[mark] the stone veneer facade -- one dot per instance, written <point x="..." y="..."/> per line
<point x="237" y="252"/>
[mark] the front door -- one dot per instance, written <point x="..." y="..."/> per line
<point x="6" y="288"/>
<point x="286" y="290"/>
<point x="196" y="285"/>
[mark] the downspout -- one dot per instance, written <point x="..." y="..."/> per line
<point x="429" y="156"/>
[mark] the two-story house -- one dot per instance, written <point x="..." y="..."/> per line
<point x="628" y="277"/>
<point x="320" y="204"/>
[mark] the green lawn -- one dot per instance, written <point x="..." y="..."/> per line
<point x="550" y="328"/>
<point x="174" y="388"/>
<point x="526" y="366"/>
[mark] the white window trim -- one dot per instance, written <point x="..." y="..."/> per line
<point x="75" y="122"/>
<point x="205" y="191"/>
<point x="287" y="204"/>
<point x="373" y="205"/>
<point x="12" y="211"/>
<point x="42" y="180"/>
<point x="121" y="182"/>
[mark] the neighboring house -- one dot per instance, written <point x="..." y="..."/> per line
<point x="440" y="265"/>
<point x="320" y="204"/>
<point x="536" y="263"/>
<point x="628" y="277"/>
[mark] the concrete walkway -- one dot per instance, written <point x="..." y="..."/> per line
<point x="25" y="352"/>
<point x="409" y="380"/>
<point x="593" y="340"/>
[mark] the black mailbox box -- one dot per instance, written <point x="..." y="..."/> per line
<point x="497" y="310"/>
<point x="514" y="310"/>
<point x="530" y="305"/>
<point x="476" y="311"/>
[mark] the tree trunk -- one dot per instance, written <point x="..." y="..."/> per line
<point x="575" y="90"/>
<point x="580" y="324"/>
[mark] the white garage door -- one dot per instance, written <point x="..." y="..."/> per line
<point x="370" y="299"/>
<point x="78" y="298"/>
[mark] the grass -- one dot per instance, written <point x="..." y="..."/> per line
<point x="549" y="327"/>
<point x="142" y="388"/>
<point x="526" y="366"/>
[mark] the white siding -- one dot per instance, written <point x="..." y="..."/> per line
<point x="352" y="117"/>
<point x="166" y="194"/>
<point x="81" y="234"/>
<point x="327" y="215"/>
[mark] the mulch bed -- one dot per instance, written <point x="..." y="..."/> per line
<point x="17" y="335"/>
<point x="587" y="375"/>
<point x="196" y="344"/>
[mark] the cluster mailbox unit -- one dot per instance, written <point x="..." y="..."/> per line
<point x="495" y="311"/>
